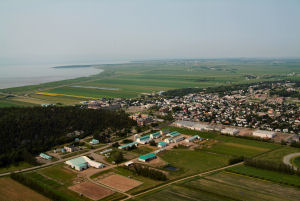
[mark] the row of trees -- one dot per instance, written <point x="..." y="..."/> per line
<point x="148" y="172"/>
<point x="269" y="165"/>
<point x="32" y="130"/>
<point x="40" y="187"/>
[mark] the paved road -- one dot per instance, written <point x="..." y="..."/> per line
<point x="65" y="159"/>
<point x="182" y="179"/>
<point x="287" y="159"/>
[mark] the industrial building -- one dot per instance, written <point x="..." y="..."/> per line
<point x="82" y="163"/>
<point x="94" y="141"/>
<point x="193" y="138"/>
<point x="144" y="139"/>
<point x="155" y="135"/>
<point x="45" y="156"/>
<point x="230" y="131"/>
<point x="147" y="157"/>
<point x="178" y="139"/>
<point x="264" y="134"/>
<point x="162" y="144"/>
<point x="173" y="134"/>
<point x="130" y="145"/>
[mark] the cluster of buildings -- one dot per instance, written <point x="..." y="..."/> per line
<point x="83" y="162"/>
<point x="142" y="119"/>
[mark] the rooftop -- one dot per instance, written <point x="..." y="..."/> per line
<point x="147" y="156"/>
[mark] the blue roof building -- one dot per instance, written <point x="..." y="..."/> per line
<point x="45" y="156"/>
<point x="94" y="141"/>
<point x="147" y="157"/>
<point x="126" y="146"/>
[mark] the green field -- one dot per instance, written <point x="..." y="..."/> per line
<point x="296" y="162"/>
<point x="223" y="186"/>
<point x="228" y="145"/>
<point x="278" y="154"/>
<point x="191" y="162"/>
<point x="14" y="167"/>
<point x="133" y="79"/>
<point x="266" y="175"/>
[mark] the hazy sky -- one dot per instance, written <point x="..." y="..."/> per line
<point x="70" y="31"/>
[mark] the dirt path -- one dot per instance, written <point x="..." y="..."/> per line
<point x="287" y="159"/>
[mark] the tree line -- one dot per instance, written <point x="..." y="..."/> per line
<point x="148" y="172"/>
<point x="28" y="131"/>
<point x="269" y="165"/>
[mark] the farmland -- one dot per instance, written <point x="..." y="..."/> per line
<point x="217" y="186"/>
<point x="266" y="175"/>
<point x="133" y="79"/>
<point x="10" y="190"/>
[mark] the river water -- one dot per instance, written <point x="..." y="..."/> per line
<point x="15" y="76"/>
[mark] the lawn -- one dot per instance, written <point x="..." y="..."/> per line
<point x="266" y="175"/>
<point x="141" y="150"/>
<point x="192" y="162"/>
<point x="59" y="173"/>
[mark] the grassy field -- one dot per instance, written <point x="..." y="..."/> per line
<point x="296" y="162"/>
<point x="8" y="102"/>
<point x="228" y="145"/>
<point x="14" y="167"/>
<point x="59" y="174"/>
<point x="223" y="186"/>
<point x="10" y="190"/>
<point x="278" y="154"/>
<point x="191" y="162"/>
<point x="133" y="79"/>
<point x="54" y="185"/>
<point x="267" y="175"/>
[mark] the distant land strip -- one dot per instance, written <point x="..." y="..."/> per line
<point x="92" y="87"/>
<point x="55" y="94"/>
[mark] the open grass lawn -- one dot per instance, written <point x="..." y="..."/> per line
<point x="224" y="186"/>
<point x="267" y="175"/>
<point x="14" y="167"/>
<point x="14" y="103"/>
<point x="278" y="154"/>
<point x="12" y="190"/>
<point x="59" y="173"/>
<point x="191" y="162"/>
<point x="296" y="161"/>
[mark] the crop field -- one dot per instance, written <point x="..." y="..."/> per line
<point x="14" y="167"/>
<point x="119" y="182"/>
<point x="10" y="190"/>
<point x="91" y="190"/>
<point x="191" y="162"/>
<point x="266" y="175"/>
<point x="55" y="186"/>
<point x="145" y="182"/>
<point x="218" y="186"/>
<point x="134" y="79"/>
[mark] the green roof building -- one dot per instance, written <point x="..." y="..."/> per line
<point x="126" y="146"/>
<point x="147" y="157"/>
<point x="45" y="156"/>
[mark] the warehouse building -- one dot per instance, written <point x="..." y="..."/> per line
<point x="130" y="145"/>
<point x="144" y="139"/>
<point x="45" y="156"/>
<point x="94" y="141"/>
<point x="155" y="135"/>
<point x="178" y="139"/>
<point x="230" y="131"/>
<point x="162" y="144"/>
<point x="168" y="140"/>
<point x="193" y="138"/>
<point x="173" y="134"/>
<point x="264" y="134"/>
<point x="147" y="157"/>
<point x="82" y="163"/>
